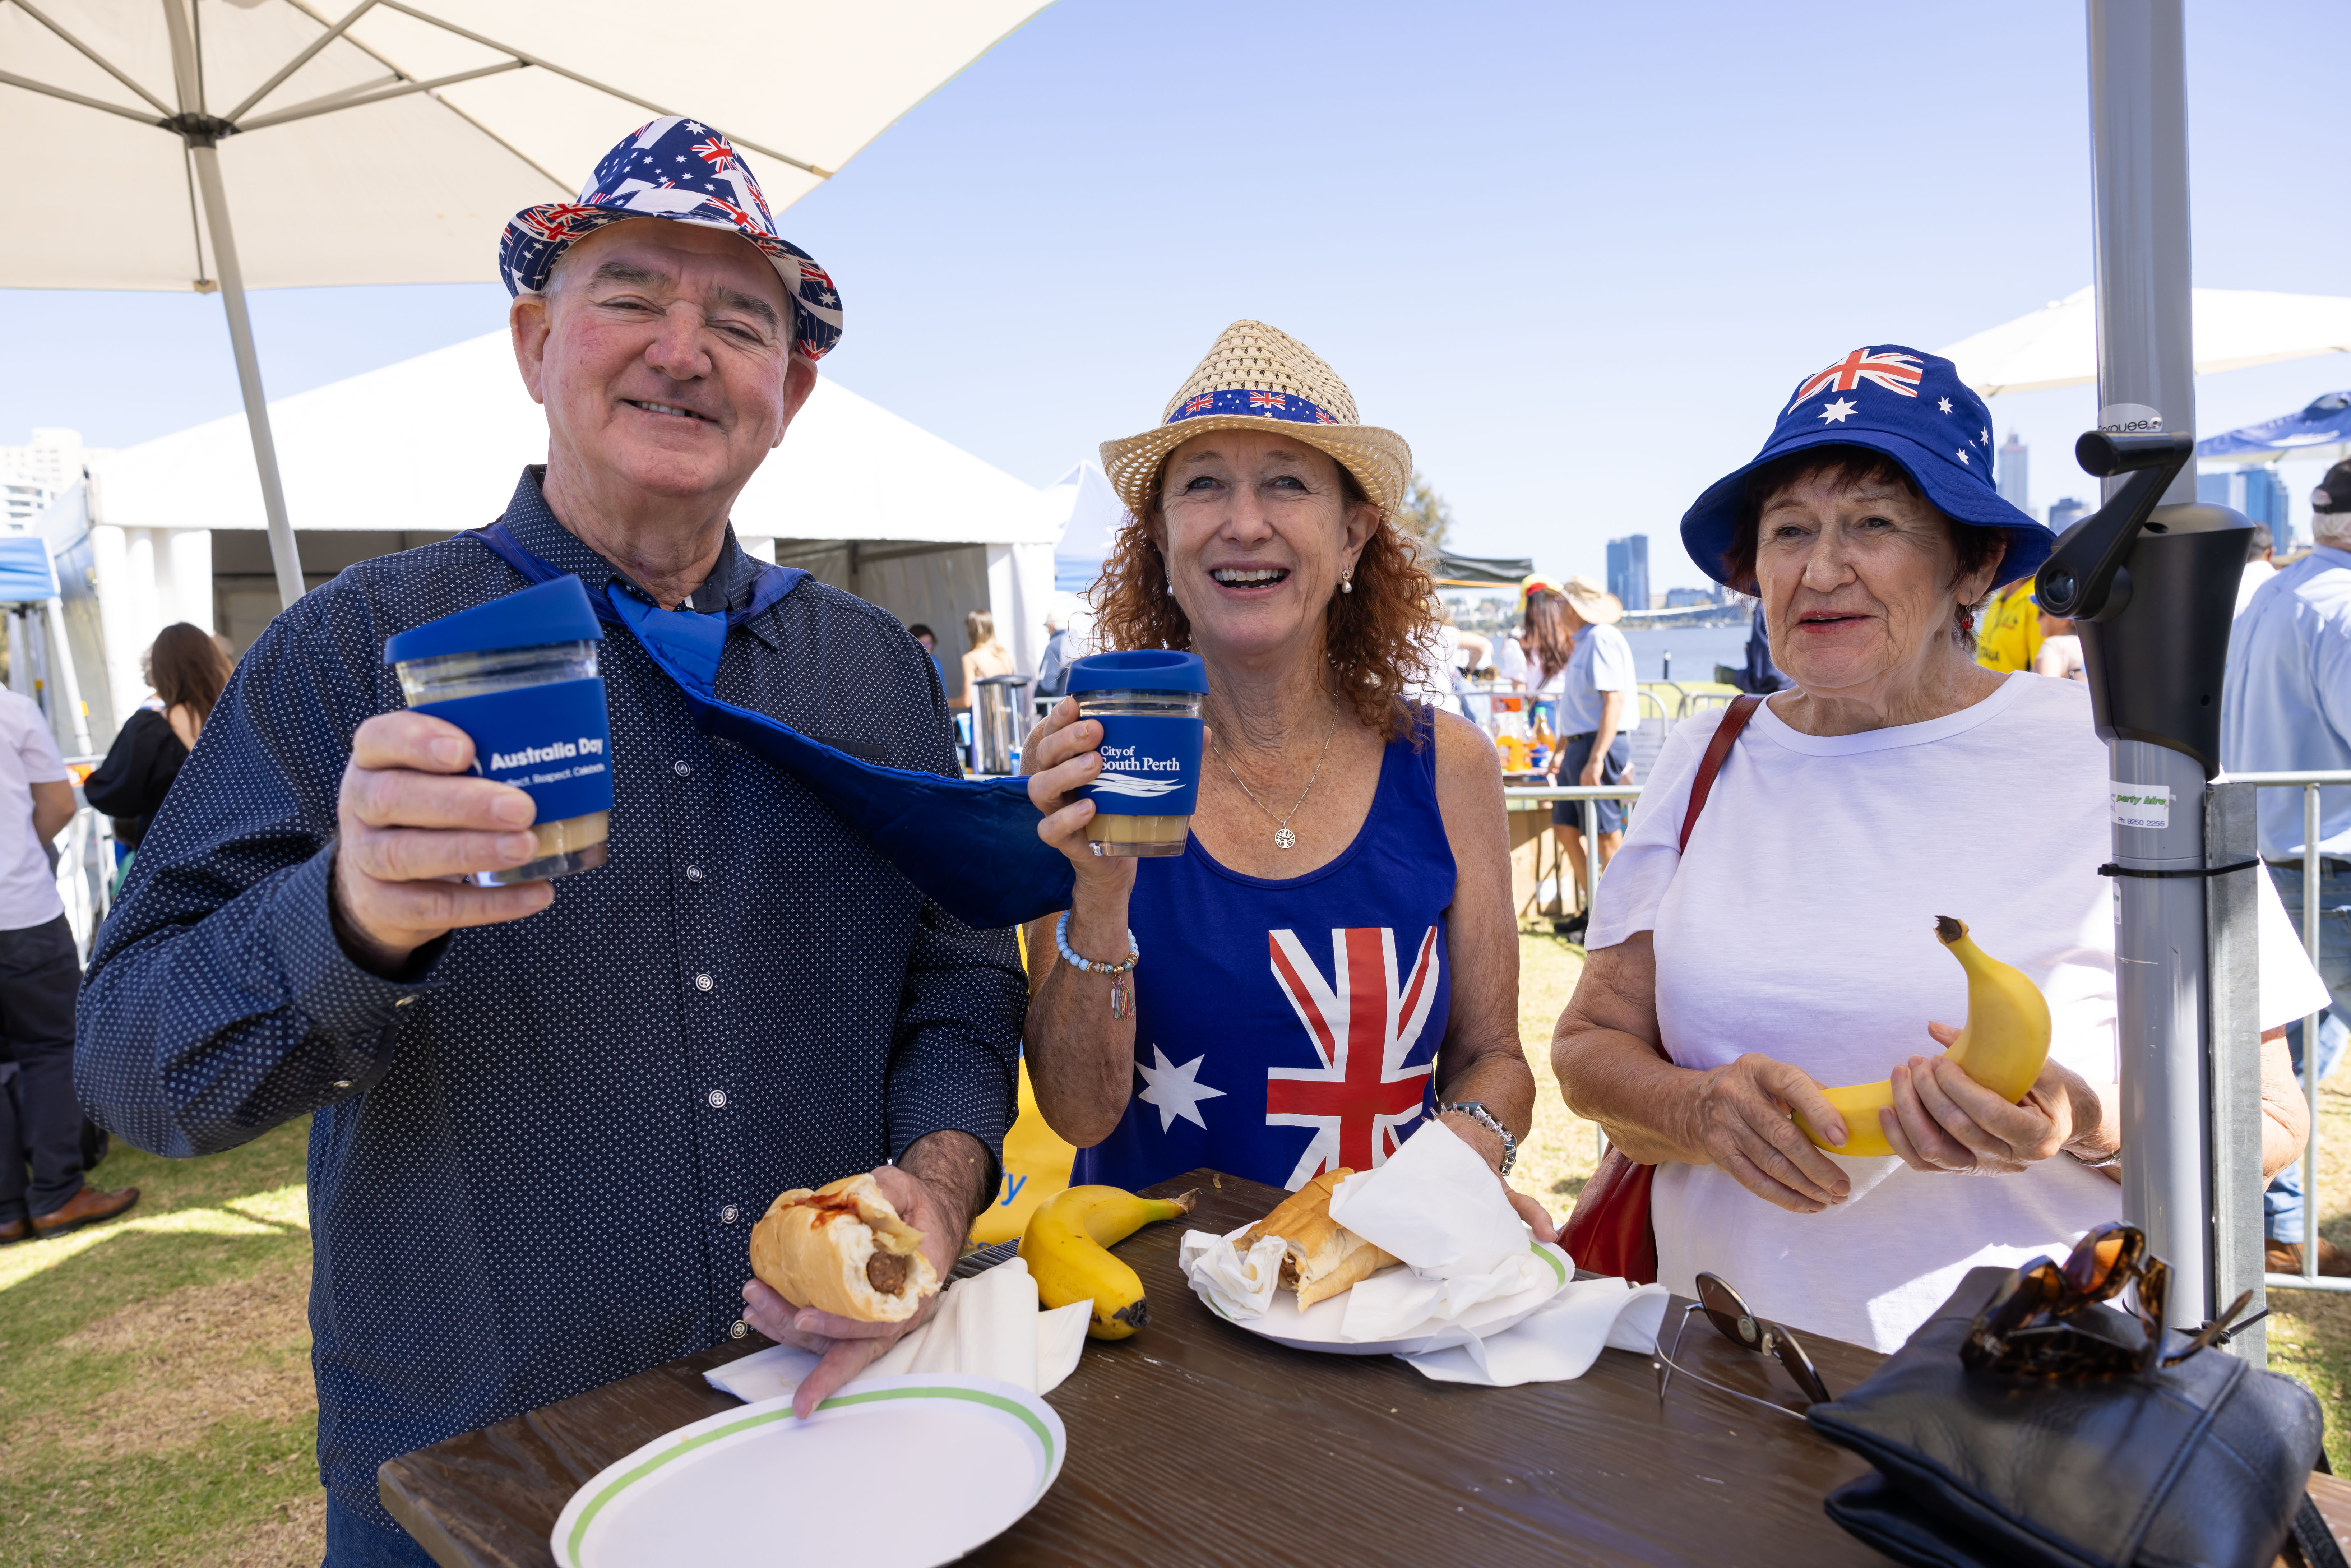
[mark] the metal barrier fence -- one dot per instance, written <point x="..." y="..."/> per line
<point x="2312" y="875"/>
<point x="2309" y="784"/>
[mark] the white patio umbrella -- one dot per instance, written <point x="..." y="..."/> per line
<point x="2056" y="346"/>
<point x="224" y="144"/>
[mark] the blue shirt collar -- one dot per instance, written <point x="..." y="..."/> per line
<point x="538" y="530"/>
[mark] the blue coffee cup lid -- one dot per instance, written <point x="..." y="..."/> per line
<point x="554" y="611"/>
<point x="1143" y="670"/>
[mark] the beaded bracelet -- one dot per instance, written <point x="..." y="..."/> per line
<point x="1121" y="999"/>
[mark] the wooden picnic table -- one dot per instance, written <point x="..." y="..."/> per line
<point x="1197" y="1442"/>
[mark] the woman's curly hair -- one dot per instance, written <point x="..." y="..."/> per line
<point x="1380" y="636"/>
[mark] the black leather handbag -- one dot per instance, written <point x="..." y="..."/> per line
<point x="2205" y="1464"/>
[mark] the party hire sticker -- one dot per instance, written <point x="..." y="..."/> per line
<point x="2142" y="805"/>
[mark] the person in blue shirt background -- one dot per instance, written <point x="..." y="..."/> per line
<point x="2285" y="706"/>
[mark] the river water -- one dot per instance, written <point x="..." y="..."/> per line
<point x="1695" y="650"/>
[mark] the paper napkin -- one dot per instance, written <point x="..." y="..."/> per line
<point x="1436" y="1206"/>
<point x="985" y="1326"/>
<point x="1559" y="1341"/>
<point x="1239" y="1284"/>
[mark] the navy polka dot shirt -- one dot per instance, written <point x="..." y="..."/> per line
<point x="535" y="1166"/>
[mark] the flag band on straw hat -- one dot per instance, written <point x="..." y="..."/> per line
<point x="1913" y="408"/>
<point x="1258" y="377"/>
<point x="682" y="169"/>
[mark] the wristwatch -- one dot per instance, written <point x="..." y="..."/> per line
<point x="1476" y="1110"/>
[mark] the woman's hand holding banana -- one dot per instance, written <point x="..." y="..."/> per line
<point x="1740" y="1116"/>
<point x="1944" y="1121"/>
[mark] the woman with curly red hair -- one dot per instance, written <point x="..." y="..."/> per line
<point x="1332" y="961"/>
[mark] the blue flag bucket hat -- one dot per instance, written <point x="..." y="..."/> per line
<point x="683" y="171"/>
<point x="1912" y="407"/>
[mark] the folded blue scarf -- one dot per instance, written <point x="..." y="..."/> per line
<point x="969" y="845"/>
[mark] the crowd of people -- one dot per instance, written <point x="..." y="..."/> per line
<point x="749" y="997"/>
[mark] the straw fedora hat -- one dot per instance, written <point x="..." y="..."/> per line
<point x="1259" y="378"/>
<point x="1592" y="601"/>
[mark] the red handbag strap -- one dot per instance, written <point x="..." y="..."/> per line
<point x="1718" y="752"/>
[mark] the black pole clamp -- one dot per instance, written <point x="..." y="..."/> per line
<point x="2110" y="869"/>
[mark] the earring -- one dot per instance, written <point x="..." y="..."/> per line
<point x="1966" y="623"/>
<point x="1347" y="580"/>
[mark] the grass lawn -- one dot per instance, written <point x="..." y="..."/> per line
<point x="155" y="1397"/>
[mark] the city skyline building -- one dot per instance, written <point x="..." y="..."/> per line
<point x="2257" y="493"/>
<point x="2012" y="474"/>
<point x="2064" y="514"/>
<point x="31" y="476"/>
<point x="1628" y="571"/>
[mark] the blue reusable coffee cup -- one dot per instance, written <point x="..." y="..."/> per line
<point x="1148" y="704"/>
<point x="518" y="675"/>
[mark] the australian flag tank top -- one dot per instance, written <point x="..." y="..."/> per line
<point x="1285" y="1028"/>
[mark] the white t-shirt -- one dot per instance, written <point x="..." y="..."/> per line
<point x="1432" y="681"/>
<point x="1509" y="659"/>
<point x="28" y="756"/>
<point x="1802" y="926"/>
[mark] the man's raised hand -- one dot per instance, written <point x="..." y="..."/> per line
<point x="411" y="816"/>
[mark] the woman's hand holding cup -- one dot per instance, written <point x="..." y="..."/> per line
<point x="1062" y="756"/>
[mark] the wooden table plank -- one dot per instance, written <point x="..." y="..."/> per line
<point x="1197" y="1442"/>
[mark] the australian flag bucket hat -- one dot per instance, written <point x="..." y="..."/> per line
<point x="1912" y="407"/>
<point x="683" y="171"/>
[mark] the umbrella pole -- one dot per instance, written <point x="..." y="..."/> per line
<point x="283" y="556"/>
<point x="2190" y="1108"/>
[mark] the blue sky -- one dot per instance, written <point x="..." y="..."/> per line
<point x="1576" y="253"/>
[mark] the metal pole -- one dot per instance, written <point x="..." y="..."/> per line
<point x="2311" y="869"/>
<point x="2138" y="132"/>
<point x="68" y="680"/>
<point x="201" y="135"/>
<point x="2146" y="383"/>
<point x="2231" y="838"/>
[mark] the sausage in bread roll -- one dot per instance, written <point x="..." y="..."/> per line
<point x="842" y="1249"/>
<point x="1321" y="1257"/>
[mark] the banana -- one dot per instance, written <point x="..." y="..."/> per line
<point x="2003" y="1046"/>
<point x="1067" y="1248"/>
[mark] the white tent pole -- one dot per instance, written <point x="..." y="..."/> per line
<point x="282" y="553"/>
<point x="202" y="134"/>
<point x="68" y="682"/>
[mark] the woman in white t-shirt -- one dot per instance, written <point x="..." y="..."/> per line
<point x="1792" y="943"/>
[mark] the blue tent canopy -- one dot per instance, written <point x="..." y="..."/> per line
<point x="2325" y="423"/>
<point x="27" y="576"/>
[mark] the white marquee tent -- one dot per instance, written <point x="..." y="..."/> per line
<point x="172" y="530"/>
<point x="2234" y="328"/>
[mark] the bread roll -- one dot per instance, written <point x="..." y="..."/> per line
<point x="842" y="1249"/>
<point x="1321" y="1257"/>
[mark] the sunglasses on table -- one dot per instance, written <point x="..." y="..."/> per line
<point x="1738" y="1324"/>
<point x="2039" y="1323"/>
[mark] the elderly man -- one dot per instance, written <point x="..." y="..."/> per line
<point x="2285" y="706"/>
<point x="546" y="1117"/>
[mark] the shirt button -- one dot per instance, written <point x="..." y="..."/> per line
<point x="736" y="1330"/>
<point x="703" y="982"/>
<point x="681" y="768"/>
<point x="718" y="1099"/>
<point x="727" y="1216"/>
<point x="694" y="873"/>
<point x="342" y="1084"/>
<point x="403" y="1002"/>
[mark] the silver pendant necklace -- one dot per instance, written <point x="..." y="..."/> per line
<point x="1283" y="839"/>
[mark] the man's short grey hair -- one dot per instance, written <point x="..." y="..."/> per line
<point x="2332" y="528"/>
<point x="2258" y="543"/>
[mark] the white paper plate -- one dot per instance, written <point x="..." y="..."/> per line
<point x="1317" y="1328"/>
<point x="752" y="1487"/>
